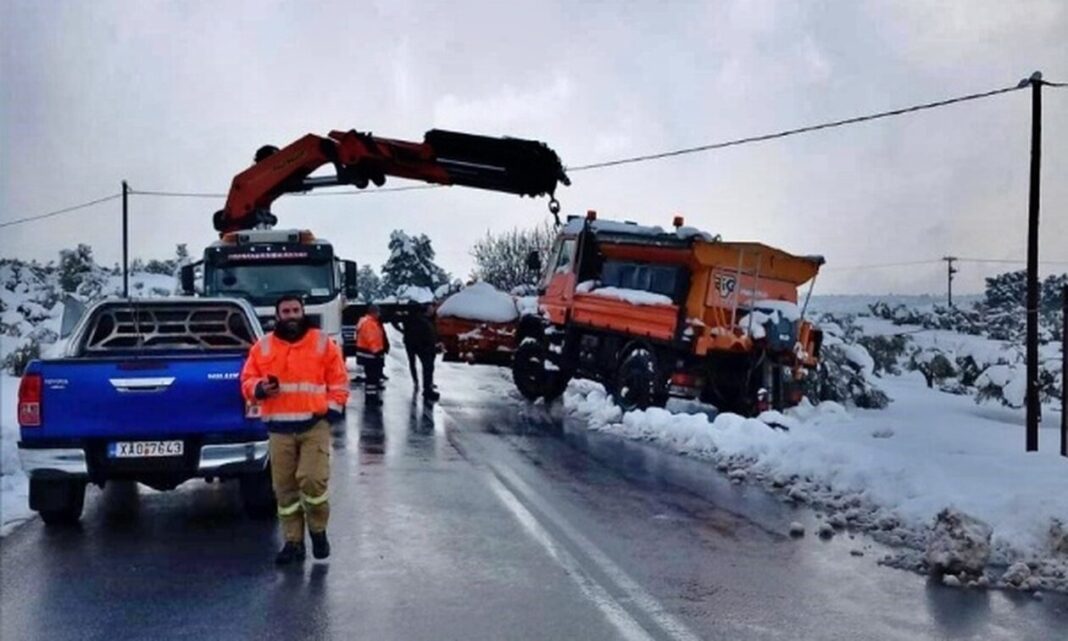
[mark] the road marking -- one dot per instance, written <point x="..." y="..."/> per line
<point x="595" y="592"/>
<point x="635" y="594"/>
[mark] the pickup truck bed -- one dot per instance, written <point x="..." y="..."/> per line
<point x="148" y="391"/>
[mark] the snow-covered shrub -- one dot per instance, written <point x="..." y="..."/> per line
<point x="17" y="360"/>
<point x="842" y="377"/>
<point x="933" y="364"/>
<point x="885" y="351"/>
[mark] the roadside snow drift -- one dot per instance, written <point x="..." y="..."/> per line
<point x="891" y="471"/>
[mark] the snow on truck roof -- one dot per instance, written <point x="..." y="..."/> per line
<point x="709" y="250"/>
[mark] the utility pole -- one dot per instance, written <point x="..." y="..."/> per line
<point x="125" y="241"/>
<point x="950" y="270"/>
<point x="1064" y="371"/>
<point x="1034" y="409"/>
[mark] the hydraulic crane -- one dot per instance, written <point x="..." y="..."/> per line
<point x="511" y="165"/>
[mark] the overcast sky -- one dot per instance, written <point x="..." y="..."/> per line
<point x="178" y="95"/>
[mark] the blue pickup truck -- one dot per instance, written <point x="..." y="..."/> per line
<point x="149" y="391"/>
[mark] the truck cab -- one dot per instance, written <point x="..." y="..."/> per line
<point x="260" y="265"/>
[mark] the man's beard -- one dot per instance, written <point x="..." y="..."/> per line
<point x="291" y="330"/>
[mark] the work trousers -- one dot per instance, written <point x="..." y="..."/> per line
<point x="427" y="360"/>
<point x="300" y="470"/>
<point x="372" y="372"/>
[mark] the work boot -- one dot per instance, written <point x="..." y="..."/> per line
<point x="431" y="395"/>
<point x="290" y="553"/>
<point x="373" y="399"/>
<point x="320" y="546"/>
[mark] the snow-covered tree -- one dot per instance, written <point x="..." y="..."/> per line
<point x="411" y="262"/>
<point x="501" y="259"/>
<point x="368" y="283"/>
<point x="74" y="266"/>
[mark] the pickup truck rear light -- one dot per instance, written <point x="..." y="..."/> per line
<point x="30" y="388"/>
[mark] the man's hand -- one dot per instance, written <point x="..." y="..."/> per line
<point x="270" y="387"/>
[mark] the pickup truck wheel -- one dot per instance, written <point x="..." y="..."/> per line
<point x="257" y="495"/>
<point x="58" y="501"/>
<point x="636" y="383"/>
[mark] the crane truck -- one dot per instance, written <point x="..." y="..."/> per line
<point x="252" y="260"/>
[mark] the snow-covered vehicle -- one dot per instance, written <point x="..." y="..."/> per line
<point x="478" y="325"/>
<point x="652" y="313"/>
<point x="147" y="390"/>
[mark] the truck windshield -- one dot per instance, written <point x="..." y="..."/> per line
<point x="659" y="279"/>
<point x="263" y="284"/>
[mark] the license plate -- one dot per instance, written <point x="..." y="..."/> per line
<point x="145" y="449"/>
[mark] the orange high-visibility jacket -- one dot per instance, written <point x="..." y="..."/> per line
<point x="311" y="375"/>
<point x="370" y="337"/>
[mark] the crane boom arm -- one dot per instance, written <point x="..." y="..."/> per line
<point x="511" y="165"/>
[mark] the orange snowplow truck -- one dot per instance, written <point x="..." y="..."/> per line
<point x="653" y="314"/>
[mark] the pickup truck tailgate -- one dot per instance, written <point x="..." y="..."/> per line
<point x="142" y="397"/>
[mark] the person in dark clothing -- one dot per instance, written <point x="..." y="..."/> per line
<point x="421" y="342"/>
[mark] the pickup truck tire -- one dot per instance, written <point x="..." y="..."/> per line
<point x="636" y="385"/>
<point x="257" y="495"/>
<point x="58" y="501"/>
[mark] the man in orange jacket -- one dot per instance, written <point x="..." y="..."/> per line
<point x="296" y="376"/>
<point x="372" y="345"/>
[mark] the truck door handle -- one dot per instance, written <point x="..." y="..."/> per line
<point x="157" y="384"/>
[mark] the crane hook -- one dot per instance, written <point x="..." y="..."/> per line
<point x="554" y="209"/>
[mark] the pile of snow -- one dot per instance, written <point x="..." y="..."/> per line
<point x="890" y="472"/>
<point x="481" y="302"/>
<point x="958" y="545"/>
<point x="527" y="305"/>
<point x="632" y="296"/>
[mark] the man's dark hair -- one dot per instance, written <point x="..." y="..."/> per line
<point x="284" y="298"/>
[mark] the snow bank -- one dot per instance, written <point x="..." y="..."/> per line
<point x="482" y="302"/>
<point x="14" y="486"/>
<point x="890" y="471"/>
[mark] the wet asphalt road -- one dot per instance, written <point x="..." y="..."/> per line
<point x="482" y="518"/>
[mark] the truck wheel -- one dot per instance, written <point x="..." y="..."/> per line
<point x="257" y="495"/>
<point x="637" y="382"/>
<point x="58" y="501"/>
<point x="528" y="369"/>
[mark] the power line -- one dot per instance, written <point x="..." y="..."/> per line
<point x="1010" y="262"/>
<point x="65" y="210"/>
<point x="881" y="265"/>
<point x="361" y="192"/>
<point x="938" y="260"/>
<point x="792" y="132"/>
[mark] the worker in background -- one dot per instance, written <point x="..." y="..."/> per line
<point x="296" y="375"/>
<point x="372" y="345"/>
<point x="421" y="342"/>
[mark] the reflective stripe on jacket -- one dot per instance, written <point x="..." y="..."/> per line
<point x="311" y="380"/>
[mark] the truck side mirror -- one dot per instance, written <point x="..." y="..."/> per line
<point x="352" y="291"/>
<point x="188" y="277"/>
<point x="534" y="261"/>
